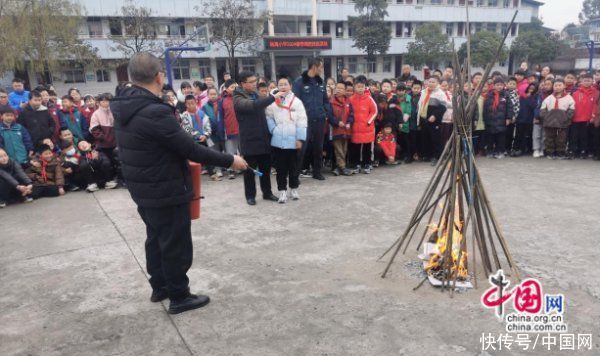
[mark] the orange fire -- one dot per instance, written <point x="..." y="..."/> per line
<point x="436" y="263"/>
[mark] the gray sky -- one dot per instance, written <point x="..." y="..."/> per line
<point x="558" y="13"/>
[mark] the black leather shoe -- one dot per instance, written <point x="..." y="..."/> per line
<point x="318" y="177"/>
<point x="190" y="302"/>
<point x="271" y="197"/>
<point x="159" y="295"/>
<point x="251" y="201"/>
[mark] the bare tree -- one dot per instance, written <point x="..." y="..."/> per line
<point x="40" y="35"/>
<point x="139" y="31"/>
<point x="235" y="26"/>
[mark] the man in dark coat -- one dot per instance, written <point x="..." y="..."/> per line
<point x="255" y="145"/>
<point x="154" y="151"/>
<point x="36" y="119"/>
<point x="311" y="90"/>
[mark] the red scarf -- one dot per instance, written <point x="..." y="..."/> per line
<point x="427" y="96"/>
<point x="44" y="173"/>
<point x="71" y="113"/>
<point x="496" y="100"/>
<point x="288" y="107"/>
<point x="557" y="99"/>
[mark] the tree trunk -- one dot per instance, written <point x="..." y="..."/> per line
<point x="232" y="65"/>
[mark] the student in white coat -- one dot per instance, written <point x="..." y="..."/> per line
<point x="287" y="122"/>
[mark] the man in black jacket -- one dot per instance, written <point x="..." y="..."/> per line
<point x="154" y="151"/>
<point x="255" y="145"/>
<point x="36" y="119"/>
<point x="311" y="90"/>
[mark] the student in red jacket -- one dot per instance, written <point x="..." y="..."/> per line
<point x="341" y="122"/>
<point x="232" y="129"/>
<point x="363" y="129"/>
<point x="585" y="103"/>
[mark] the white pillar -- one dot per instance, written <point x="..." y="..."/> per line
<point x="314" y="18"/>
<point x="271" y="33"/>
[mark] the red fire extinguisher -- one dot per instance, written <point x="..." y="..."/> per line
<point x="195" y="170"/>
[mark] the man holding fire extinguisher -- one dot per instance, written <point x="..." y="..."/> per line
<point x="154" y="151"/>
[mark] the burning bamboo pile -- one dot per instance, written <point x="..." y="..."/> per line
<point x="459" y="226"/>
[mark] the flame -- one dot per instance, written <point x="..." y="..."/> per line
<point x="458" y="266"/>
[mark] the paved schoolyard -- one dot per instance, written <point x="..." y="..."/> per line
<point x="298" y="279"/>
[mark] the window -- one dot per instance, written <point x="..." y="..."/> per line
<point x="504" y="28"/>
<point x="116" y="28"/>
<point x="249" y="65"/>
<point x="506" y="3"/>
<point x="451" y="2"/>
<point x="204" y="67"/>
<point x="398" y="29"/>
<point x="460" y="29"/>
<point x="478" y="27"/>
<point x="309" y="28"/>
<point x="493" y="3"/>
<point x="450" y="29"/>
<point x="94" y="27"/>
<point x="515" y="3"/>
<point x="326" y="29"/>
<point x="513" y="29"/>
<point x="350" y="31"/>
<point x="74" y="75"/>
<point x="171" y="30"/>
<point x="491" y="27"/>
<point x="387" y="64"/>
<point x="436" y="2"/>
<point x="102" y="75"/>
<point x="339" y="29"/>
<point x="479" y="3"/>
<point x="352" y="65"/>
<point x="408" y="29"/>
<point x="181" y="69"/>
<point x="371" y="65"/>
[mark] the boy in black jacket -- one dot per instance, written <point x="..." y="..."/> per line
<point x="497" y="115"/>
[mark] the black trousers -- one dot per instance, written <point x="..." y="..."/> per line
<point x="286" y="165"/>
<point x="7" y="191"/>
<point x="596" y="141"/>
<point x="44" y="191"/>
<point x="263" y="164"/>
<point x="496" y="142"/>
<point x="479" y="141"/>
<point x="411" y="144"/>
<point x="523" y="139"/>
<point x="432" y="140"/>
<point x="509" y="137"/>
<point x="113" y="156"/>
<point x="361" y="154"/>
<point x="578" y="138"/>
<point x="312" y="150"/>
<point x="169" y="250"/>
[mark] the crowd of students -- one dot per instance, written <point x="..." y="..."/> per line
<point x="49" y="146"/>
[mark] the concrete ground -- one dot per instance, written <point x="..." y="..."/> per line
<point x="297" y="279"/>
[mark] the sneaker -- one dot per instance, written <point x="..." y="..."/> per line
<point x="318" y="177"/>
<point x="282" y="197"/>
<point x="542" y="154"/>
<point x="2" y="204"/>
<point x="367" y="170"/>
<point x="375" y="164"/>
<point x="204" y="172"/>
<point x="517" y="153"/>
<point x="434" y="162"/>
<point x="295" y="195"/>
<point x="231" y="175"/>
<point x="215" y="178"/>
<point x="73" y="188"/>
<point x="500" y="156"/>
<point x="336" y="172"/>
<point x="219" y="174"/>
<point x="92" y="188"/>
<point x="112" y="184"/>
<point x="189" y="303"/>
<point x="356" y="170"/>
<point x="347" y="172"/>
<point x="28" y="199"/>
<point x="490" y="155"/>
<point x="306" y="174"/>
<point x="159" y="295"/>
